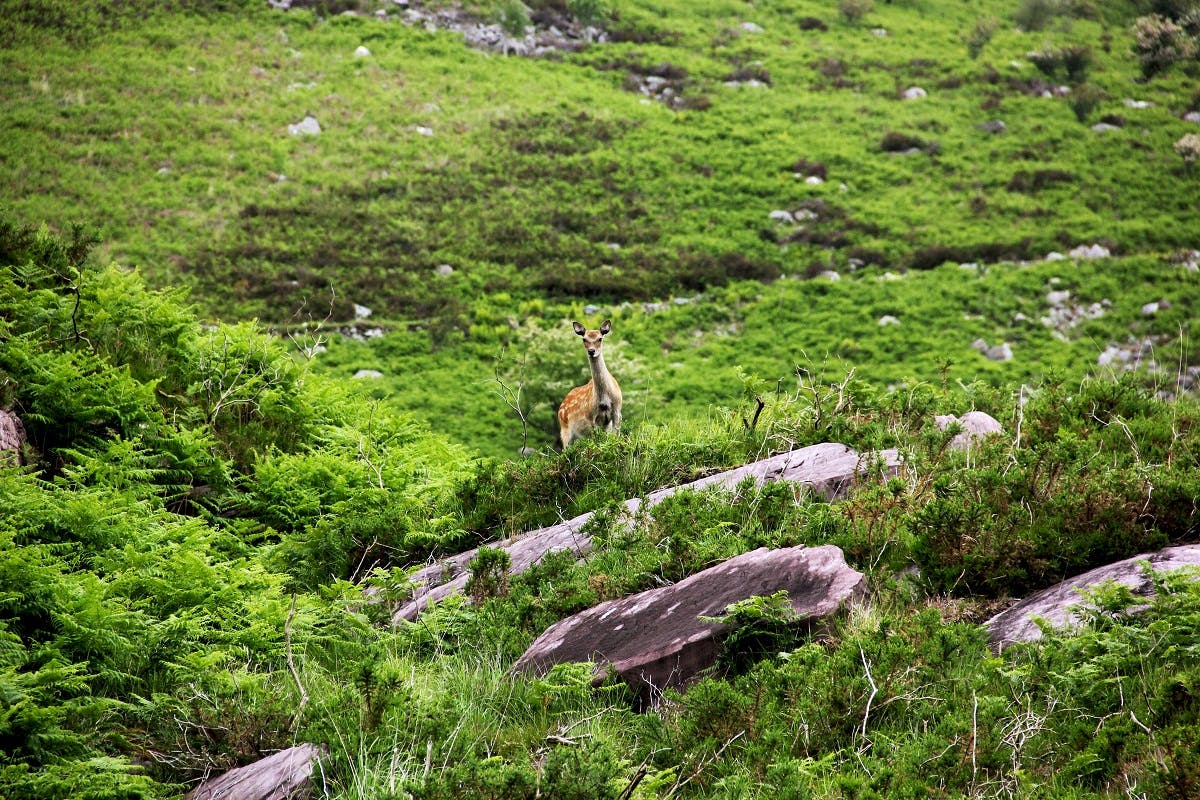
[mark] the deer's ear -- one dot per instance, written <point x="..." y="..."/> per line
<point x="606" y="327"/>
<point x="579" y="329"/>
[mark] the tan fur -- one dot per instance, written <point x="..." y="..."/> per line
<point x="597" y="404"/>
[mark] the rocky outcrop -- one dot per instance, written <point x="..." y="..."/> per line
<point x="830" y="470"/>
<point x="12" y="438"/>
<point x="284" y="776"/>
<point x="657" y="639"/>
<point x="1058" y="605"/>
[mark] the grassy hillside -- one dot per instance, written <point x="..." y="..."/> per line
<point x="197" y="517"/>
<point x="793" y="248"/>
<point x="471" y="200"/>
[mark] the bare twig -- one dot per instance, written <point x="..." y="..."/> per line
<point x="512" y="399"/>
<point x="874" y="690"/>
<point x="287" y="641"/>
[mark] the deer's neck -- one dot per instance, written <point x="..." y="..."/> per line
<point x="602" y="380"/>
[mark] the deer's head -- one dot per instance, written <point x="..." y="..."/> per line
<point x="593" y="339"/>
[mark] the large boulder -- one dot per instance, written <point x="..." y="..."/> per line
<point x="657" y="639"/>
<point x="829" y="470"/>
<point x="287" y="775"/>
<point x="1059" y="605"/>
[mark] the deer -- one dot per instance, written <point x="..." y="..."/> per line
<point x="596" y="404"/>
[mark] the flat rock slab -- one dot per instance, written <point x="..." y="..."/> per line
<point x="284" y="776"/>
<point x="1058" y="605"/>
<point x="656" y="639"/>
<point x="830" y="470"/>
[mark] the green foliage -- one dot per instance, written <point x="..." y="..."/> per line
<point x="489" y="574"/>
<point x="1160" y="43"/>
<point x="513" y="17"/>
<point x="853" y="11"/>
<point x="757" y="628"/>
<point x="980" y="34"/>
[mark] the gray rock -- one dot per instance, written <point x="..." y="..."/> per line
<point x="305" y="127"/>
<point x="361" y="312"/>
<point x="1131" y="103"/>
<point x="1149" y="309"/>
<point x="993" y="126"/>
<point x="12" y="438"/>
<point x="975" y="425"/>
<point x="751" y="27"/>
<point x="888" y="319"/>
<point x="444" y="270"/>
<point x="779" y="215"/>
<point x="1192" y="116"/>
<point x="999" y="352"/>
<point x="1058" y="606"/>
<point x="1084" y="252"/>
<point x="362" y="52"/>
<point x="1104" y="127"/>
<point x="368" y="374"/>
<point x="282" y="776"/>
<point x="829" y="470"/>
<point x="1058" y="299"/>
<point x="914" y="93"/>
<point x="655" y="640"/>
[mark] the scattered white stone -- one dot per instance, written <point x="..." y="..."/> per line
<point x="445" y="270"/>
<point x="1114" y="355"/>
<point x="889" y="276"/>
<point x="750" y="27"/>
<point x="999" y="352"/>
<point x="1090" y="252"/>
<point x="969" y="266"/>
<point x="163" y="170"/>
<point x="362" y="52"/>
<point x="368" y="374"/>
<point x="880" y="32"/>
<point x="805" y="215"/>
<point x="1131" y="103"/>
<point x="993" y="126"/>
<point x="814" y="180"/>
<point x="424" y="131"/>
<point x="305" y="127"/>
<point x="1192" y="116"/>
<point x="294" y="87"/>
<point x="779" y="215"/>
<point x="914" y="93"/>
<point x="1149" y="309"/>
<point x="591" y="310"/>
<point x="1104" y="127"/>
<point x="1055" y="256"/>
<point x="361" y="312"/>
<point x="830" y="275"/>
<point x="1058" y="299"/>
<point x="1020" y="317"/>
<point x="888" y="319"/>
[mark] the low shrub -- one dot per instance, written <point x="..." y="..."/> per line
<point x="1160" y="43"/>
